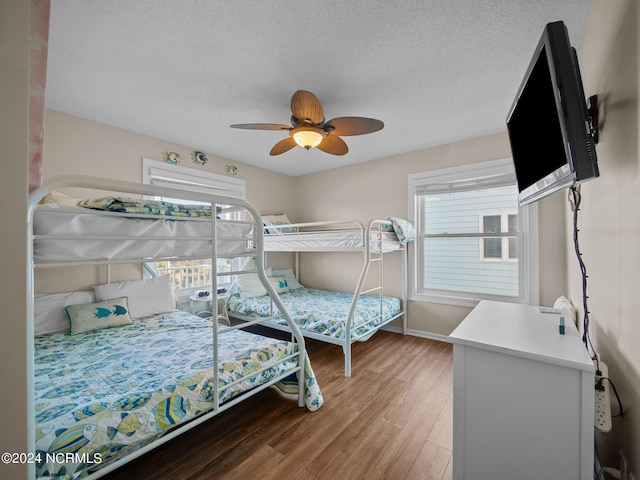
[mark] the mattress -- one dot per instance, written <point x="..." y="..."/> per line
<point x="101" y="394"/>
<point x="321" y="312"/>
<point x="76" y="233"/>
<point x="330" y="241"/>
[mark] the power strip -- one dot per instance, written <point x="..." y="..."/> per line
<point x="603" y="400"/>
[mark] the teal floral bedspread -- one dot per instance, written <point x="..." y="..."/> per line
<point x="321" y="311"/>
<point x="102" y="393"/>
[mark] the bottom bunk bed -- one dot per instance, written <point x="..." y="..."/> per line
<point x="117" y="370"/>
<point x="103" y="394"/>
<point x="321" y="314"/>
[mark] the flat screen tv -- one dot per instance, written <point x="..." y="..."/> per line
<point x="550" y="130"/>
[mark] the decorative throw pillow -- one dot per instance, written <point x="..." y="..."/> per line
<point x="273" y="220"/>
<point x="404" y="229"/>
<point x="146" y="297"/>
<point x="279" y="284"/>
<point x="289" y="276"/>
<point x="95" y="316"/>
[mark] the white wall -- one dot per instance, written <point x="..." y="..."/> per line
<point x="609" y="222"/>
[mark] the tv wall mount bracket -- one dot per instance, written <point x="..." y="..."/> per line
<point x="592" y="111"/>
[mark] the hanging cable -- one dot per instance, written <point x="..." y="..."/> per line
<point x="575" y="198"/>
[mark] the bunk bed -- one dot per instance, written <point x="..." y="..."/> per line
<point x="130" y="371"/>
<point x="340" y="318"/>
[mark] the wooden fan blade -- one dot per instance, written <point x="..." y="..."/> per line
<point x="283" y="146"/>
<point x="306" y="106"/>
<point x="261" y="126"/>
<point x="346" y="126"/>
<point x="334" y="145"/>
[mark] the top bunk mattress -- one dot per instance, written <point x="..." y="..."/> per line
<point x="76" y="233"/>
<point x="330" y="241"/>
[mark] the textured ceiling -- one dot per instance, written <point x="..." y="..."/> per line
<point x="183" y="71"/>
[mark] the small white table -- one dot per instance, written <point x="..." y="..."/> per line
<point x="523" y="396"/>
<point x="203" y="306"/>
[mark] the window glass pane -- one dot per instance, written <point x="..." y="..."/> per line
<point x="492" y="223"/>
<point x="460" y="212"/>
<point x="492" y="248"/>
<point x="454" y="264"/>
<point x="513" y="248"/>
<point x="513" y="223"/>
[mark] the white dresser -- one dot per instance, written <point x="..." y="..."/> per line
<point x="523" y="396"/>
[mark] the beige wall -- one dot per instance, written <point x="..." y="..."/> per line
<point x="609" y="222"/>
<point x="77" y="146"/>
<point x="379" y="189"/>
<point x="14" y="135"/>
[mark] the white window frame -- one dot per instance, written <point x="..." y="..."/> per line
<point x="163" y="174"/>
<point x="477" y="173"/>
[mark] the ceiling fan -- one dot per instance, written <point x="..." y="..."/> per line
<point x="309" y="129"/>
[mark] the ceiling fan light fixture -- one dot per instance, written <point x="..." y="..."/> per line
<point x="307" y="136"/>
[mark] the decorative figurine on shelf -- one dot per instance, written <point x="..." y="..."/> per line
<point x="231" y="170"/>
<point x="199" y="157"/>
<point x="171" y="157"/>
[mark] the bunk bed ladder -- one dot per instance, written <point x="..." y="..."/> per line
<point x="375" y="255"/>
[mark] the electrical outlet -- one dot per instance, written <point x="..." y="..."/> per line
<point x="624" y="474"/>
<point x="603" y="402"/>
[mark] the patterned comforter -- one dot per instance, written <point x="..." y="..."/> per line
<point x="145" y="206"/>
<point x="101" y="393"/>
<point x="322" y="312"/>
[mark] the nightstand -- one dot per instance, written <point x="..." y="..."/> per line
<point x="203" y="307"/>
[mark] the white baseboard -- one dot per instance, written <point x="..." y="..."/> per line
<point x="419" y="333"/>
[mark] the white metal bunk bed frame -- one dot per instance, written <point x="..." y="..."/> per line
<point x="376" y="229"/>
<point x="257" y="245"/>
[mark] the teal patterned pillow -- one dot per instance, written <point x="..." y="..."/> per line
<point x="404" y="229"/>
<point x="94" y="316"/>
<point x="279" y="284"/>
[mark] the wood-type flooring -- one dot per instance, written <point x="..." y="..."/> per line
<point x="391" y="420"/>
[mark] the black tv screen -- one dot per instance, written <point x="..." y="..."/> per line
<point x="549" y="129"/>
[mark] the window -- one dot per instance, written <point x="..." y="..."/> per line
<point x="473" y="240"/>
<point x="501" y="249"/>
<point x="196" y="273"/>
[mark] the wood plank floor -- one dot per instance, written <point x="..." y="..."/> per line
<point x="391" y="420"/>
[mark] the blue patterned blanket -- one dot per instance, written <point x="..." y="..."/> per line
<point x="101" y="393"/>
<point x="321" y="311"/>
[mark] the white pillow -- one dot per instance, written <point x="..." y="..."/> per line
<point x="49" y="313"/>
<point x="59" y="198"/>
<point x="146" y="297"/>
<point x="289" y="276"/>
<point x="249" y="284"/>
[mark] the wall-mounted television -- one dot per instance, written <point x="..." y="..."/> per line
<point x="551" y="132"/>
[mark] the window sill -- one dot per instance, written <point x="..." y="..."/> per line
<point x="459" y="300"/>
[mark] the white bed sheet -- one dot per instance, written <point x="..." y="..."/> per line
<point x="329" y="241"/>
<point x="100" y="235"/>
